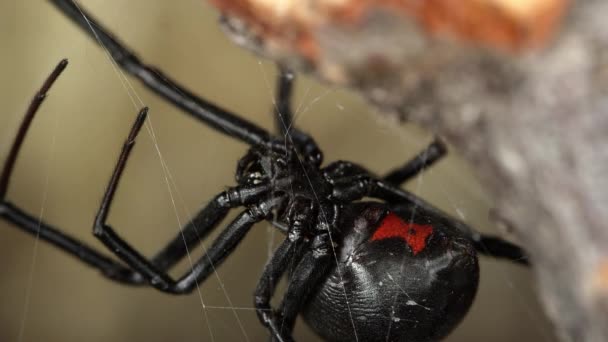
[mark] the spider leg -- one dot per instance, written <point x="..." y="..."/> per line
<point x="488" y="245"/>
<point x="290" y="251"/>
<point x="203" y="223"/>
<point x="356" y="187"/>
<point x="191" y="234"/>
<point x="220" y="249"/>
<point x="31" y="111"/>
<point x="283" y="114"/>
<point x="284" y="117"/>
<point x="221" y="120"/>
<point x="306" y="276"/>
<point x="485" y="244"/>
<point x="425" y="159"/>
<point x="311" y="269"/>
<point x="72" y="246"/>
<point x="497" y="247"/>
<point x="273" y="271"/>
<point x="32" y="225"/>
<point x="224" y="244"/>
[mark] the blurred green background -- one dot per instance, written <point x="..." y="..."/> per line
<point x="73" y="144"/>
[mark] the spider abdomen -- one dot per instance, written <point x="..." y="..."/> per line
<point x="390" y="286"/>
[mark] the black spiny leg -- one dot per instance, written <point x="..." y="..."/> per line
<point x="282" y="109"/>
<point x="192" y="234"/>
<point x="273" y="271"/>
<point x="356" y="187"/>
<point x="214" y="116"/>
<point x="425" y="159"/>
<point x="284" y="117"/>
<point x="485" y="244"/>
<point x="310" y="271"/>
<point x="32" y="225"/>
<point x="288" y="253"/>
<point x="499" y="248"/>
<point x="32" y="109"/>
<point x="204" y="222"/>
<point x="225" y="243"/>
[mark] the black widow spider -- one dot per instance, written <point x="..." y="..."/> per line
<point x="345" y="246"/>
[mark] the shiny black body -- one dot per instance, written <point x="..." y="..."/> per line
<point x="394" y="295"/>
<point x="389" y="269"/>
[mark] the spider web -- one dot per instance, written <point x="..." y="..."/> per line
<point x="177" y="166"/>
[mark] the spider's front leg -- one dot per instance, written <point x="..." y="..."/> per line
<point x="197" y="229"/>
<point x="35" y="225"/>
<point x="224" y="244"/>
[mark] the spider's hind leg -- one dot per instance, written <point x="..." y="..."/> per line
<point x="347" y="190"/>
<point x="427" y="157"/>
<point x="484" y="244"/>
<point x="259" y="208"/>
<point x="497" y="247"/>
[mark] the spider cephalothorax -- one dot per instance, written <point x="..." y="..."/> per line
<point x="364" y="259"/>
<point x="267" y="163"/>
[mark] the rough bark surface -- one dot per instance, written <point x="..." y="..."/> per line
<point x="534" y="125"/>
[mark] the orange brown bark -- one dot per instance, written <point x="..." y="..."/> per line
<point x="510" y="25"/>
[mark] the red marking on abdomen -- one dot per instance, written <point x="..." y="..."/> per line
<point x="413" y="234"/>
